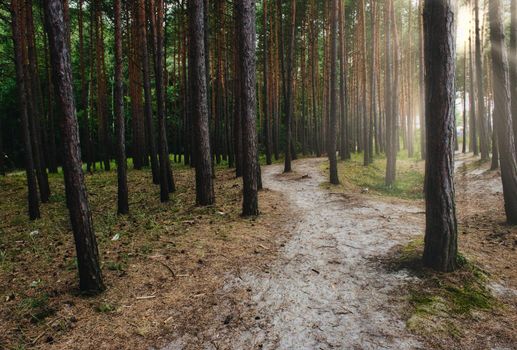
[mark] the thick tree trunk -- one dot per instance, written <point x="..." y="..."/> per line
<point x="199" y="107"/>
<point x="331" y="140"/>
<point x="245" y="26"/>
<point x="86" y="246"/>
<point x="122" y="195"/>
<point x="16" y="22"/>
<point x="502" y="111"/>
<point x="440" y="252"/>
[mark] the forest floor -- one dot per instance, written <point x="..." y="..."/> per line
<point x="323" y="266"/>
<point x="162" y="264"/>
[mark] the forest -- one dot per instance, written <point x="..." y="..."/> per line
<point x="269" y="174"/>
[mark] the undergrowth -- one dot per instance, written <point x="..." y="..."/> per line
<point x="440" y="303"/>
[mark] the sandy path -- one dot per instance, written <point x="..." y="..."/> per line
<point x="325" y="290"/>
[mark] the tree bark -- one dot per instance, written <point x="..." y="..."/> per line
<point x="166" y="179"/>
<point x="148" y="110"/>
<point x="199" y="107"/>
<point x="331" y="140"/>
<point x="33" y="200"/>
<point x="266" y="108"/>
<point x="123" y="206"/>
<point x="245" y="26"/>
<point x="502" y="111"/>
<point x="289" y="89"/>
<point x="513" y="66"/>
<point x="90" y="278"/>
<point x="440" y="251"/>
<point x="481" y="110"/>
<point x="421" y="72"/>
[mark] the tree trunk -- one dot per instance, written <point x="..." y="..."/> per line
<point x="421" y="72"/>
<point x="199" y="107"/>
<point x="331" y="140"/>
<point x="481" y="110"/>
<point x="464" y="146"/>
<point x="16" y="23"/>
<point x="245" y="26"/>
<point x="344" y="151"/>
<point x="473" y="123"/>
<point x="289" y="89"/>
<point x="123" y="206"/>
<point x="166" y="179"/>
<point x="34" y="104"/>
<point x="266" y="108"/>
<point x="86" y="246"/>
<point x="148" y="110"/>
<point x="513" y="66"/>
<point x="440" y="251"/>
<point x="502" y="111"/>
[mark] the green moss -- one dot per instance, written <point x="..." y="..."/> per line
<point x="115" y="266"/>
<point x="468" y="298"/>
<point x="105" y="308"/>
<point x="441" y="300"/>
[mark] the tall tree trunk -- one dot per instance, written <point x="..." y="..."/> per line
<point x="513" y="66"/>
<point x="421" y="72"/>
<point x="473" y="120"/>
<point x="148" y="109"/>
<point x="84" y="90"/>
<point x="266" y="108"/>
<point x="245" y="26"/>
<point x="122" y="195"/>
<point x="34" y="101"/>
<point x="331" y="140"/>
<point x="289" y="89"/>
<point x="481" y="111"/>
<point x="103" y="124"/>
<point x="16" y="23"/>
<point x="166" y="179"/>
<point x="464" y="146"/>
<point x="237" y="110"/>
<point x="199" y="107"/>
<point x="90" y="278"/>
<point x="440" y="251"/>
<point x="392" y="93"/>
<point x="365" y="113"/>
<point x="502" y="111"/>
<point x="344" y="151"/>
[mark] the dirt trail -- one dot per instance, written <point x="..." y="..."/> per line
<point x="325" y="290"/>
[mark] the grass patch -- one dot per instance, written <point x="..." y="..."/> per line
<point x="409" y="181"/>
